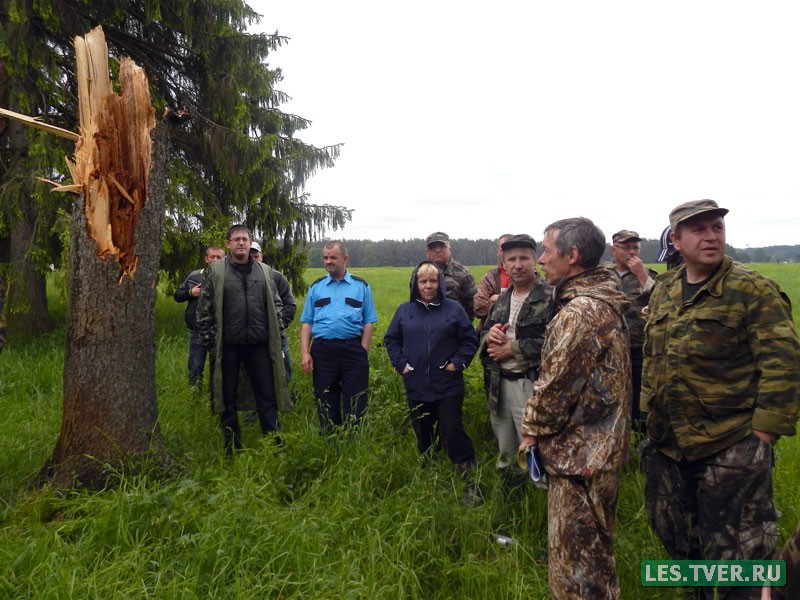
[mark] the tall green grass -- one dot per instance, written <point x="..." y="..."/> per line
<point x="343" y="517"/>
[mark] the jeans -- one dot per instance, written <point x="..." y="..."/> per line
<point x="197" y="358"/>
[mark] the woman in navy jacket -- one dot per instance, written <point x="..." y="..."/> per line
<point x="431" y="342"/>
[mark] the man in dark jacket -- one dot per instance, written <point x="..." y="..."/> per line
<point x="288" y="307"/>
<point x="189" y="291"/>
<point x="237" y="318"/>
<point x="430" y="342"/>
<point x="511" y="346"/>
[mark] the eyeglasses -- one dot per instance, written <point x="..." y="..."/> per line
<point x="628" y="247"/>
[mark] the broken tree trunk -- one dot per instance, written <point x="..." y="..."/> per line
<point x="109" y="420"/>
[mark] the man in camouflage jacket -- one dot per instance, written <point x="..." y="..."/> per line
<point x="493" y="283"/>
<point x="579" y="414"/>
<point x="720" y="385"/>
<point x="458" y="280"/>
<point x="635" y="281"/>
<point x="511" y="345"/>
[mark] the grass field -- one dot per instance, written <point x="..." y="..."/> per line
<point x="353" y="517"/>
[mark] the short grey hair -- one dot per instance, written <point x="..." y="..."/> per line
<point x="584" y="235"/>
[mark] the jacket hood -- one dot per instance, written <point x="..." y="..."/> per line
<point x="598" y="283"/>
<point x="415" y="289"/>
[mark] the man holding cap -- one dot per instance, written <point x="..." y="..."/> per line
<point x="511" y="344"/>
<point x="720" y="385"/>
<point x="458" y="280"/>
<point x="635" y="281"/>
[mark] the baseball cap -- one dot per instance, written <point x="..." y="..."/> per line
<point x="437" y="237"/>
<point x="255" y="246"/>
<point x="625" y="235"/>
<point x="522" y="240"/>
<point x="666" y="245"/>
<point x="687" y="210"/>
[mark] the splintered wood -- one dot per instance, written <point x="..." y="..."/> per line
<point x="112" y="156"/>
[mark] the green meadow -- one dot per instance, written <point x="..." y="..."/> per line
<point x="345" y="517"/>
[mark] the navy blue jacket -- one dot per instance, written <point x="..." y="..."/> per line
<point x="427" y="338"/>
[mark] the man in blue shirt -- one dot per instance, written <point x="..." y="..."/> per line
<point x="338" y="314"/>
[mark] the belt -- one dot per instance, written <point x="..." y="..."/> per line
<point x="512" y="375"/>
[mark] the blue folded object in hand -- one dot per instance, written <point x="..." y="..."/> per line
<point x="535" y="469"/>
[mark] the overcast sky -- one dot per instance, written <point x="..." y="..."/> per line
<point x="479" y="118"/>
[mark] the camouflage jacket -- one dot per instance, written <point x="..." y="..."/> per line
<point x="489" y="285"/>
<point x="720" y="365"/>
<point x="580" y="409"/>
<point x="527" y="347"/>
<point x="460" y="286"/>
<point x="638" y="295"/>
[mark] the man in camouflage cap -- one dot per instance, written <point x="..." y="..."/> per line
<point x="720" y="385"/>
<point x="636" y="281"/>
<point x="458" y="280"/>
<point x="579" y="414"/>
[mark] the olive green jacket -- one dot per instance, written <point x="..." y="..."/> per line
<point x="720" y="365"/>
<point x="529" y="332"/>
<point x="209" y="324"/>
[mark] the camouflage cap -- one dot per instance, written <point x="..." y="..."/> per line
<point x="522" y="240"/>
<point x="687" y="210"/>
<point x="437" y="237"/>
<point x="625" y="235"/>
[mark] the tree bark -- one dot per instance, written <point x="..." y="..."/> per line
<point x="109" y="422"/>
<point x="26" y="307"/>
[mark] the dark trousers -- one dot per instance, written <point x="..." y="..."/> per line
<point x="197" y="358"/>
<point x="443" y="418"/>
<point x="287" y="359"/>
<point x="341" y="379"/>
<point x="638" y="418"/>
<point x="258" y="365"/>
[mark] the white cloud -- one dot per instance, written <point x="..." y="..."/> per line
<point x="479" y="118"/>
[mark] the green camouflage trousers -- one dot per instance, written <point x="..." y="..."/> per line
<point x="716" y="508"/>
<point x="580" y="536"/>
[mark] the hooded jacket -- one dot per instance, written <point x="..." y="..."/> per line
<point x="427" y="338"/>
<point x="581" y="405"/>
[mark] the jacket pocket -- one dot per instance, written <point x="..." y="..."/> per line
<point x="716" y="334"/>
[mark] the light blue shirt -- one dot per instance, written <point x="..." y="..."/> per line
<point x="338" y="310"/>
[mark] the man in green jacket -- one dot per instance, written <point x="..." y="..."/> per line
<point x="720" y="386"/>
<point x="511" y="346"/>
<point x="238" y="321"/>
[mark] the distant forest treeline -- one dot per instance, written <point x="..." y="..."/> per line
<point x="408" y="253"/>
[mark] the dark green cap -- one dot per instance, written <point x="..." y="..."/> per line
<point x="687" y="210"/>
